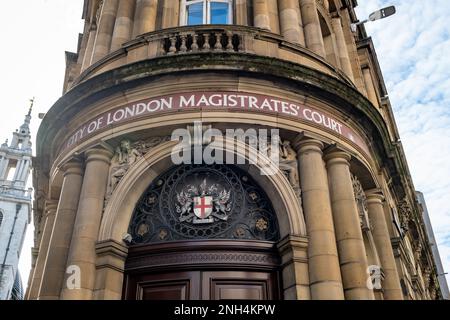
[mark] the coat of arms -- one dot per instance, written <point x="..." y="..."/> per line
<point x="203" y="204"/>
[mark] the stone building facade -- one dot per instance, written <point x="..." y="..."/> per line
<point x="15" y="207"/>
<point x="118" y="218"/>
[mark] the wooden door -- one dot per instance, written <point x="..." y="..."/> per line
<point x="204" y="285"/>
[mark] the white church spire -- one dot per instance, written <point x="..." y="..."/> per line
<point x="15" y="202"/>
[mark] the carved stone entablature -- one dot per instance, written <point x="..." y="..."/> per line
<point x="361" y="202"/>
<point x="127" y="154"/>
<point x="405" y="214"/>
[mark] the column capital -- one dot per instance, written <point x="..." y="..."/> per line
<point x="99" y="154"/>
<point x="337" y="157"/>
<point x="305" y="145"/>
<point x="375" y="196"/>
<point x="73" y="166"/>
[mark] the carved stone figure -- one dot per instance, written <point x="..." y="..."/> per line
<point x="126" y="155"/>
<point x="288" y="162"/>
<point x="418" y="251"/>
<point x="361" y="202"/>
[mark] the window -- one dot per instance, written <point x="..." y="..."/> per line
<point x="206" y="12"/>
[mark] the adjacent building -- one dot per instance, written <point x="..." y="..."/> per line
<point x="15" y="207"/>
<point x="153" y="170"/>
<point x="434" y="247"/>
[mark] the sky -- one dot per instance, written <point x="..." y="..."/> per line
<point x="413" y="47"/>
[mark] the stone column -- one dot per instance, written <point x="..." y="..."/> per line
<point x="324" y="273"/>
<point x="261" y="14"/>
<point x="352" y="253"/>
<point x="289" y="21"/>
<point x="342" y="51"/>
<point x="391" y="284"/>
<point x="370" y="87"/>
<point x="272" y="7"/>
<point x="105" y="29"/>
<point x="87" y="59"/>
<point x="50" y="213"/>
<point x="124" y="24"/>
<point x="87" y="223"/>
<point x="242" y="13"/>
<point x="54" y="266"/>
<point x="145" y="17"/>
<point x="311" y="27"/>
<point x="170" y="14"/>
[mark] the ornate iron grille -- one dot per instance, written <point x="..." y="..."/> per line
<point x="203" y="202"/>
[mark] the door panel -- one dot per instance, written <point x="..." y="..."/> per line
<point x="238" y="285"/>
<point x="165" y="286"/>
<point x="205" y="285"/>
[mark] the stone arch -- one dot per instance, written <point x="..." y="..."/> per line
<point x="119" y="209"/>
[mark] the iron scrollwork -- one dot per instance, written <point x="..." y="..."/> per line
<point x="203" y="202"/>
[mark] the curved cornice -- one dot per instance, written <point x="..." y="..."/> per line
<point x="315" y="83"/>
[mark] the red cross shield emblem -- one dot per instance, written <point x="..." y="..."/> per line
<point x="203" y="207"/>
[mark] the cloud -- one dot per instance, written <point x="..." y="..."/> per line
<point x="413" y="48"/>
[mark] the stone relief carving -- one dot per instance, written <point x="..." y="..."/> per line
<point x="427" y="277"/>
<point x="405" y="214"/>
<point x="361" y="202"/>
<point x="289" y="165"/>
<point x="417" y="251"/>
<point x="127" y="154"/>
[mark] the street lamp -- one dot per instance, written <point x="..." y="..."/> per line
<point x="377" y="15"/>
